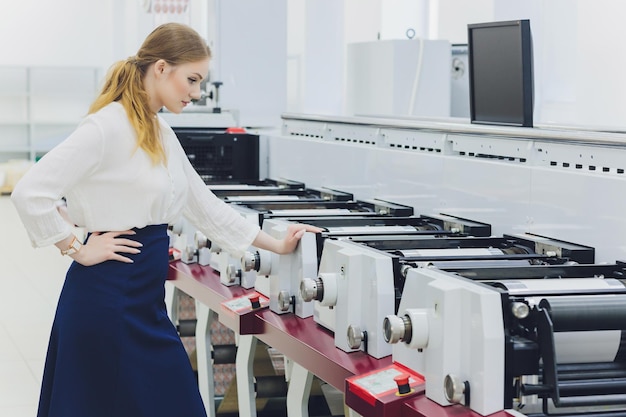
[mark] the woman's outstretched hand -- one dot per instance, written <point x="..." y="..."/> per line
<point x="289" y="243"/>
<point x="294" y="234"/>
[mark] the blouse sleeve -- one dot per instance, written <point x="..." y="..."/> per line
<point x="47" y="181"/>
<point x="216" y="219"/>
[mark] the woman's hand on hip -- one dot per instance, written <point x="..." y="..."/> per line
<point x="108" y="246"/>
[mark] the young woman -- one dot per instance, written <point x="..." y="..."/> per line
<point x="113" y="351"/>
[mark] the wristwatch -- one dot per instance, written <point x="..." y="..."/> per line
<point x="73" y="247"/>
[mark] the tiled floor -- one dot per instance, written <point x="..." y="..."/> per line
<point x="30" y="282"/>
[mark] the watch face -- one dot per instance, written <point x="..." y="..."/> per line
<point x="73" y="248"/>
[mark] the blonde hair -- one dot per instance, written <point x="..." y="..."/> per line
<point x="173" y="42"/>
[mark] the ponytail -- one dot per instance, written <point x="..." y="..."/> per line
<point x="124" y="84"/>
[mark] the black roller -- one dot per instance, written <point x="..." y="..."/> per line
<point x="224" y="354"/>
<point x="187" y="328"/>
<point x="586" y="313"/>
<point x="271" y="386"/>
<point x="580" y="371"/>
<point x="605" y="386"/>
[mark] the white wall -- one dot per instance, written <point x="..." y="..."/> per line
<point x="77" y="32"/>
<point x="250" y="58"/>
<point x="56" y="33"/>
<point x="577" y="43"/>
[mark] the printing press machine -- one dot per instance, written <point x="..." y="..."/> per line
<point x="327" y="203"/>
<point x="377" y="217"/>
<point x="509" y="177"/>
<point x="380" y="230"/>
<point x="286" y="272"/>
<point x="540" y="340"/>
<point x="361" y="280"/>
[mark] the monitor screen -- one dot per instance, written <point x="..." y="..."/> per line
<point x="500" y="73"/>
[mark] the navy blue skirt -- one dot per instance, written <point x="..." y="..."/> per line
<point x="113" y="350"/>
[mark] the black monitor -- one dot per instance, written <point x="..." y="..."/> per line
<point x="501" y="73"/>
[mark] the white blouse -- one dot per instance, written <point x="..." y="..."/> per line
<point x="112" y="185"/>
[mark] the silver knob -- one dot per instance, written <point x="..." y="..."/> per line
<point x="311" y="289"/>
<point x="355" y="336"/>
<point x="520" y="310"/>
<point x="232" y="273"/>
<point x="404" y="269"/>
<point x="454" y="388"/>
<point x="200" y="240"/>
<point x="396" y="329"/>
<point x="284" y="300"/>
<point x="189" y="253"/>
<point x="250" y="261"/>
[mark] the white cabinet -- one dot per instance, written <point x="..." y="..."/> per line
<point x="40" y="106"/>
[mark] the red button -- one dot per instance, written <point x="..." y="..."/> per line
<point x="402" y="379"/>
<point x="403" y="384"/>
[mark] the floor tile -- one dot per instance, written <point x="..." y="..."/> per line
<point x="22" y="411"/>
<point x="18" y="386"/>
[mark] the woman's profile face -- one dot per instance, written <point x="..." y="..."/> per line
<point x="178" y="85"/>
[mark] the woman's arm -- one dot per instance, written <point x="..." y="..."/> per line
<point x="288" y="243"/>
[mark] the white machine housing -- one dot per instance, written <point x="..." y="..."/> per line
<point x="399" y="77"/>
<point x="458" y="331"/>
<point x="358" y="292"/>
<point x="286" y="271"/>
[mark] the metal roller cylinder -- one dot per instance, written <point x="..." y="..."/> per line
<point x="467" y="252"/>
<point x="529" y="287"/>
<point x="186" y="328"/>
<point x="585" y="313"/>
<point x="587" y="329"/>
<point x="224" y="354"/>
<point x="270" y="386"/>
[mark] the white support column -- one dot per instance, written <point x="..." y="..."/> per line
<point x="171" y="301"/>
<point x="206" y="380"/>
<point x="245" y="376"/>
<point x="300" y="381"/>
